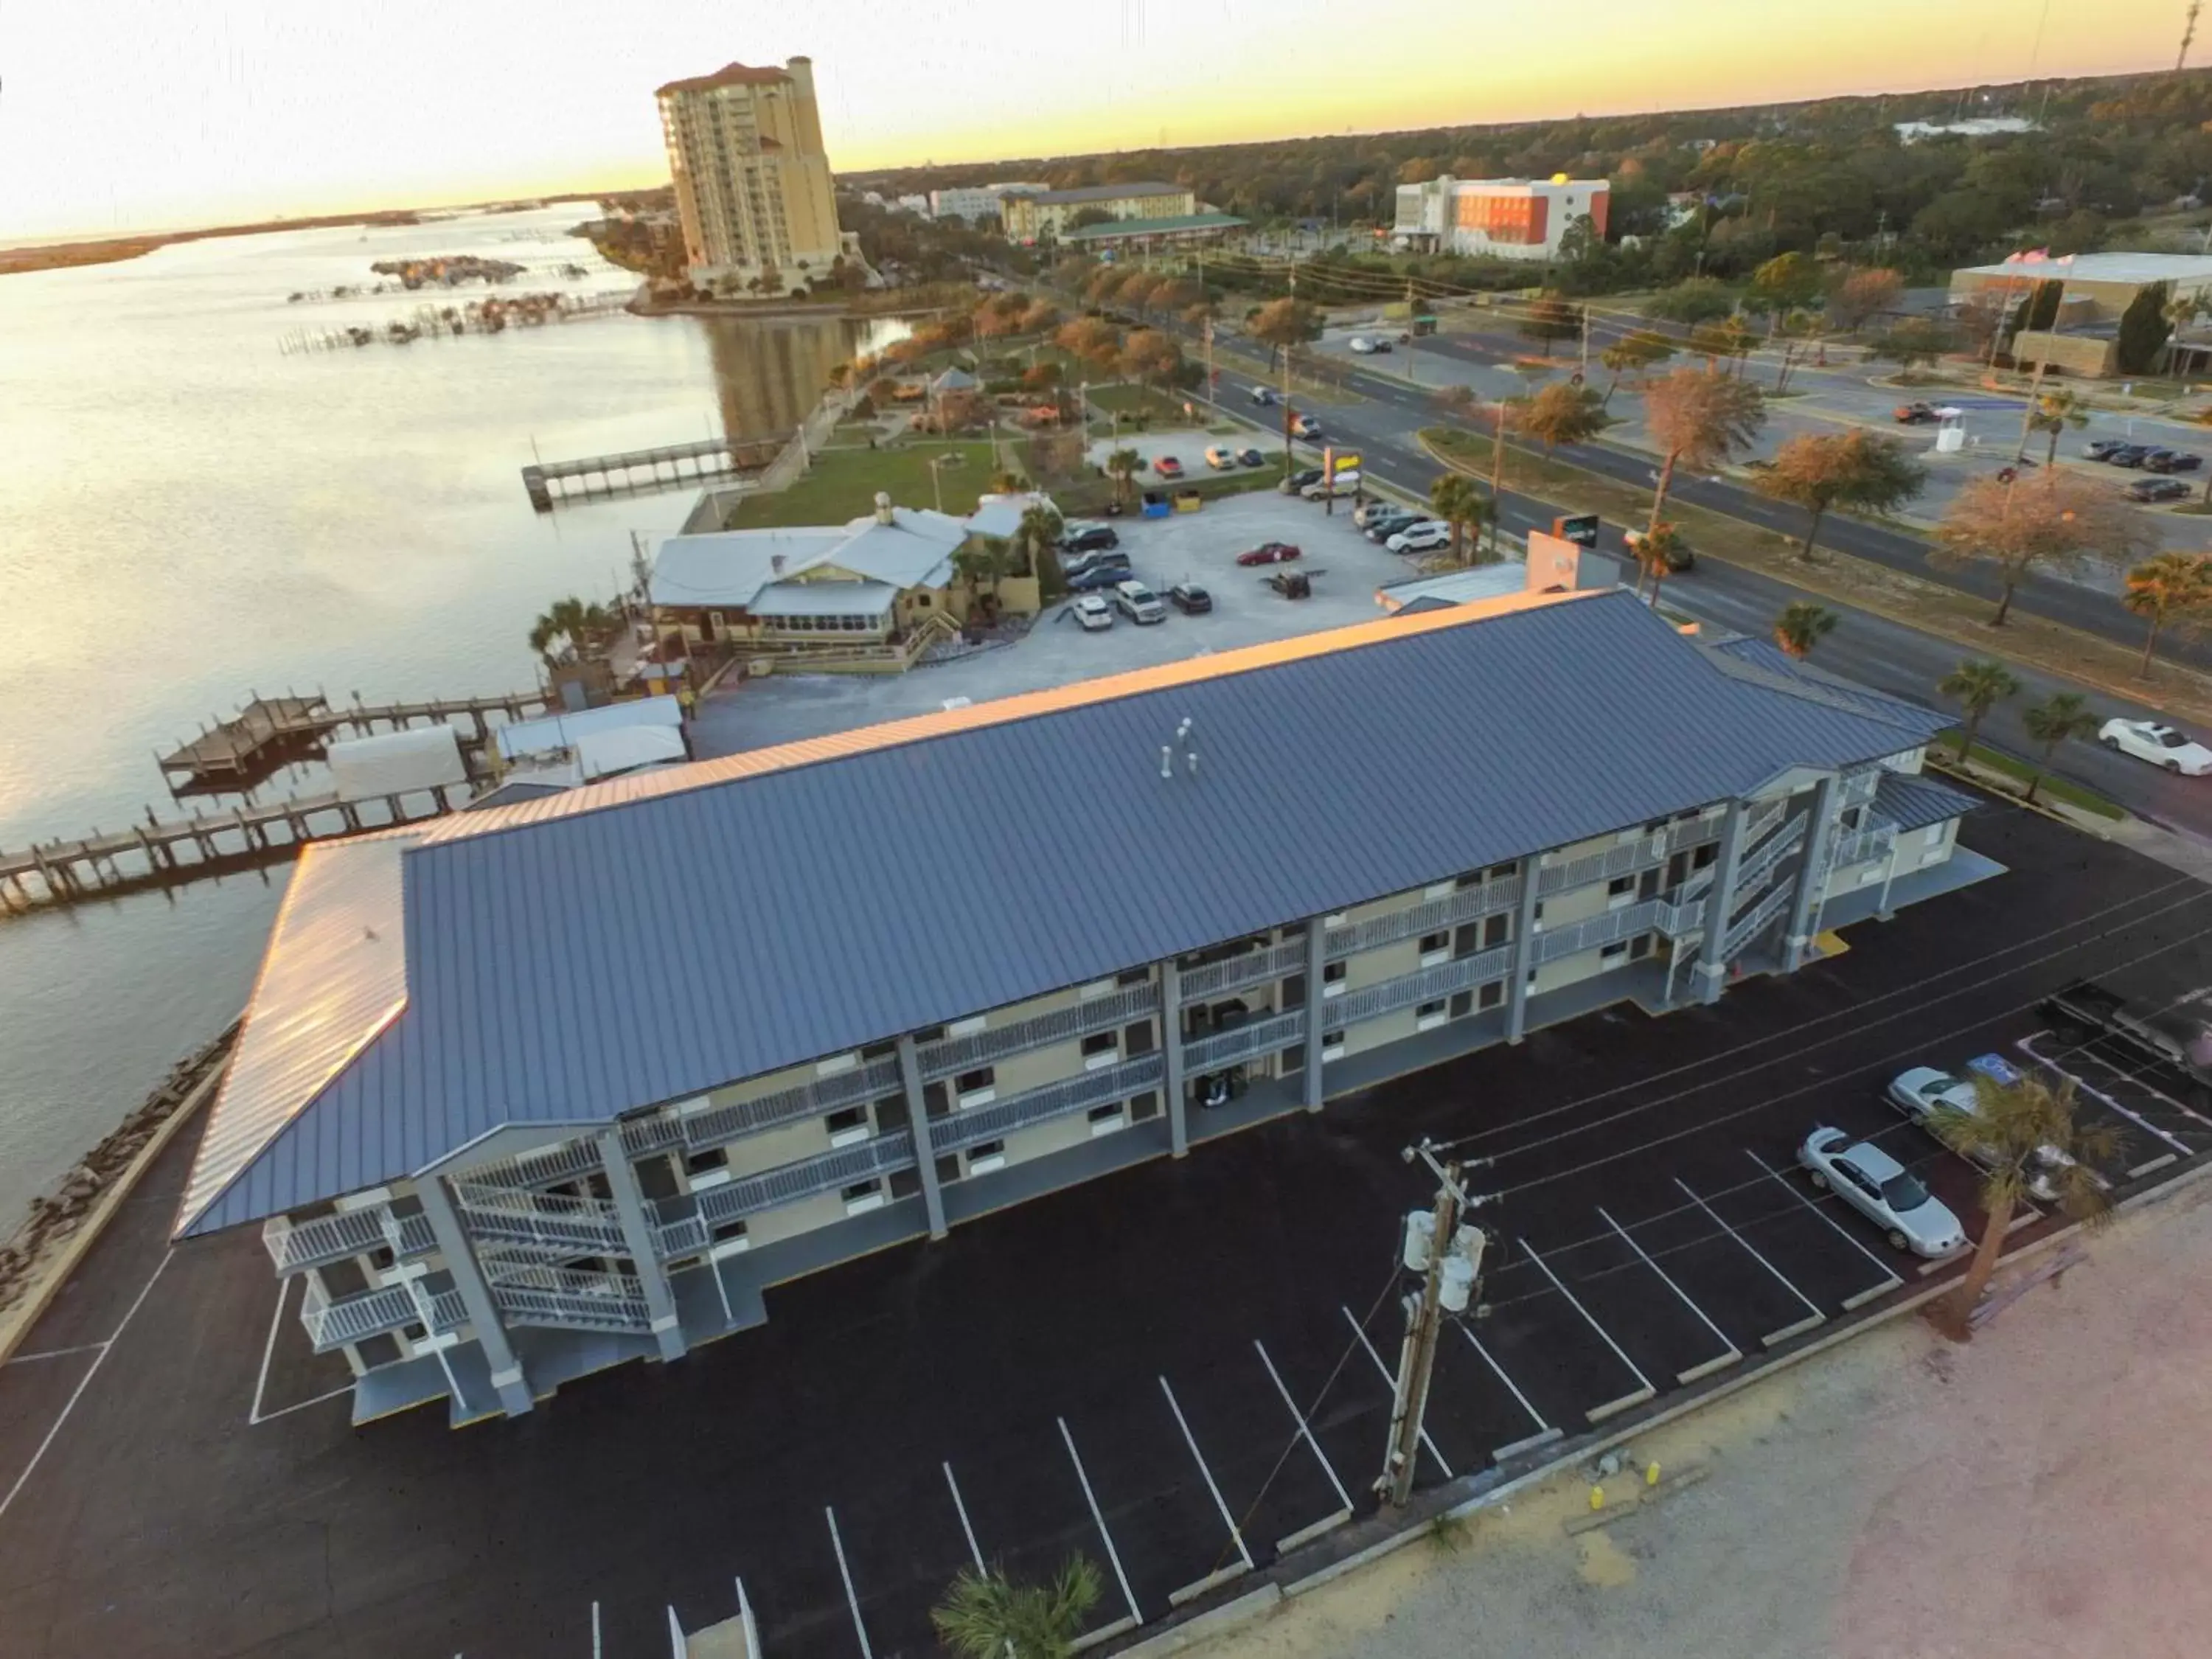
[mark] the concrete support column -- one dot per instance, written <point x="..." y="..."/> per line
<point x="1524" y="949"/>
<point x="1172" y="1051"/>
<point x="514" y="1396"/>
<point x="637" y="1233"/>
<point x="1806" y="902"/>
<point x="1710" y="972"/>
<point x="917" y="1118"/>
<point x="1316" y="960"/>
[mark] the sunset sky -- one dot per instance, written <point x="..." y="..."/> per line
<point x="135" y="114"/>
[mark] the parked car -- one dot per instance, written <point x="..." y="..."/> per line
<point x="1375" y="509"/>
<point x="1268" y="553"/>
<point x="2156" y="489"/>
<point x="1382" y="346"/>
<point x="1094" y="613"/>
<point x="1220" y="458"/>
<point x="1361" y="344"/>
<point x="1110" y="558"/>
<point x="2102" y="449"/>
<point x="2129" y="455"/>
<point x="1138" y="603"/>
<point x="1098" y="578"/>
<point x="1914" y="414"/>
<point x="1680" y="560"/>
<point x="1080" y="536"/>
<point x="1251" y="457"/>
<point x="1922" y="1092"/>
<point x="1425" y="537"/>
<point x="1190" y="598"/>
<point x="1264" y="395"/>
<point x="1379" y="530"/>
<point x="1882" y="1190"/>
<point x="1168" y="467"/>
<point x="1304" y="426"/>
<point x="1298" y="480"/>
<point x="2172" y="460"/>
<point x="2160" y="745"/>
<point x="1346" y="483"/>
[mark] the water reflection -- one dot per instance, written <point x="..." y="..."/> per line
<point x="769" y="374"/>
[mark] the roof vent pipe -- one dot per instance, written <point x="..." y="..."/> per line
<point x="1194" y="762"/>
<point x="1167" y="760"/>
<point x="882" y="507"/>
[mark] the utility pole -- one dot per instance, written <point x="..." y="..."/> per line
<point x="2188" y="35"/>
<point x="1289" y="464"/>
<point x="1449" y="1258"/>
<point x="1585" y="343"/>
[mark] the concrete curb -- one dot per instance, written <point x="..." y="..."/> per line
<point x="17" y="1322"/>
<point x="1230" y="1615"/>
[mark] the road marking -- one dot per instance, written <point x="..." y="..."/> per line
<point x="1305" y="1428"/>
<point x="1390" y="1382"/>
<point x="1814" y="1317"/>
<point x="1729" y="1353"/>
<point x="2134" y="1074"/>
<point x="286" y="1410"/>
<point x="1091" y="1498"/>
<point x="598" y="1650"/>
<point x="1545" y="1432"/>
<point x="83" y="1383"/>
<point x="268" y="1349"/>
<point x="1236" y="1536"/>
<point x="845" y="1573"/>
<point x="967" y="1531"/>
<point x="1890" y="1281"/>
<point x="2026" y="1045"/>
<point x="745" y="1621"/>
<point x="57" y="1353"/>
<point x="1645" y="1390"/>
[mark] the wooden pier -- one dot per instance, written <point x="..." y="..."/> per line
<point x="671" y="467"/>
<point x="161" y="852"/>
<point x="270" y="732"/>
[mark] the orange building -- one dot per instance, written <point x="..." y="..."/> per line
<point x="1504" y="218"/>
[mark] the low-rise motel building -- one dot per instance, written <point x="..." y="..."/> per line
<point x="527" y="1092"/>
<point x="1049" y="215"/>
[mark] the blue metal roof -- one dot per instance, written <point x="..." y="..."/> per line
<point x="1913" y="802"/>
<point x="574" y="958"/>
<point x="1787" y="674"/>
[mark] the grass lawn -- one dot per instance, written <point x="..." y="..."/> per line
<point x="2098" y="664"/>
<point x="1946" y="748"/>
<point x="1138" y="402"/>
<point x="842" y="483"/>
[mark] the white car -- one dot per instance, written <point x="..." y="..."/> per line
<point x="1362" y="345"/>
<point x="2161" y="745"/>
<point x="1920" y="1092"/>
<point x="1347" y="483"/>
<point x="1423" y="538"/>
<point x="1094" y="613"/>
<point x="1884" y="1191"/>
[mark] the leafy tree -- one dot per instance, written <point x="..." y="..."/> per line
<point x="1632" y="353"/>
<point x="1454" y="498"/>
<point x="1786" y="282"/>
<point x="1551" y="319"/>
<point x="1039" y="316"/>
<point x="2012" y="1132"/>
<point x="2144" y="329"/>
<point x="985" y="1615"/>
<point x="1283" y="325"/>
<point x="2053" y="413"/>
<point x="1084" y="218"/>
<point x="1802" y="625"/>
<point x="1917" y="340"/>
<point x="1092" y="339"/>
<point x="1861" y="295"/>
<point x="1977" y="685"/>
<point x="1656" y="552"/>
<point x="2056" y="522"/>
<point x="1699" y="418"/>
<point x="1041" y="377"/>
<point x="1151" y="356"/>
<point x="1853" y="469"/>
<point x="2041" y="308"/>
<point x="1696" y="300"/>
<point x="2059" y="717"/>
<point x="2169" y="585"/>
<point x="1123" y="466"/>
<point x="1563" y="413"/>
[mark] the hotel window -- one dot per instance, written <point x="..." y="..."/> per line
<point x="1100" y="1050"/>
<point x="1435" y="948"/>
<point x="1332" y="980"/>
<point x="1490" y="994"/>
<point x="1105" y="1120"/>
<point x="975" y="1088"/>
<point x="1613" y="956"/>
<point x="1332" y="1046"/>
<point x="863" y="1196"/>
<point x="850" y="1127"/>
<point x="985" y="1155"/>
<point x="1430" y="1015"/>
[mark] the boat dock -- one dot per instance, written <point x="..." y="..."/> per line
<point x="270" y="732"/>
<point x="639" y="470"/>
<point x="159" y="853"/>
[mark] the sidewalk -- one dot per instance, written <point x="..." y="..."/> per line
<point x="2032" y="1494"/>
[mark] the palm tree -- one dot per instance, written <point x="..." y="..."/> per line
<point x="985" y="1615"/>
<point x="2053" y="413"/>
<point x="1454" y="498"/>
<point x="1038" y="533"/>
<point x="1123" y="465"/>
<point x="1655" y="550"/>
<point x="2026" y="1138"/>
<point x="1978" y="687"/>
<point x="1505" y="414"/>
<point x="1801" y="626"/>
<point x="573" y="621"/>
<point x="2171" y="584"/>
<point x="983" y="559"/>
<point x="2061" y="715"/>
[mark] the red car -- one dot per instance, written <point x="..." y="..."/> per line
<point x="1168" y="467"/>
<point x="1269" y="553"/>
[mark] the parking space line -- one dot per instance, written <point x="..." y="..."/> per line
<point x="1814" y="1318"/>
<point x="1545" y="1432"/>
<point x="56" y="1353"/>
<point x="268" y="1351"/>
<point x="2026" y="1045"/>
<point x="1729" y="1353"/>
<point x="1220" y="1575"/>
<point x="1305" y="1430"/>
<point x="597" y="1648"/>
<point x="967" y="1530"/>
<point x="1091" y="1498"/>
<point x="1890" y="1280"/>
<point x="1391" y="1384"/>
<point x="2134" y="1076"/>
<point x="845" y="1573"/>
<point x="1645" y="1390"/>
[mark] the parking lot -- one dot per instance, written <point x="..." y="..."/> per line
<point x="1202" y="547"/>
<point x="1180" y="1371"/>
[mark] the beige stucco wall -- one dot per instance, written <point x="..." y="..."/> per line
<point x="2076" y="353"/>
